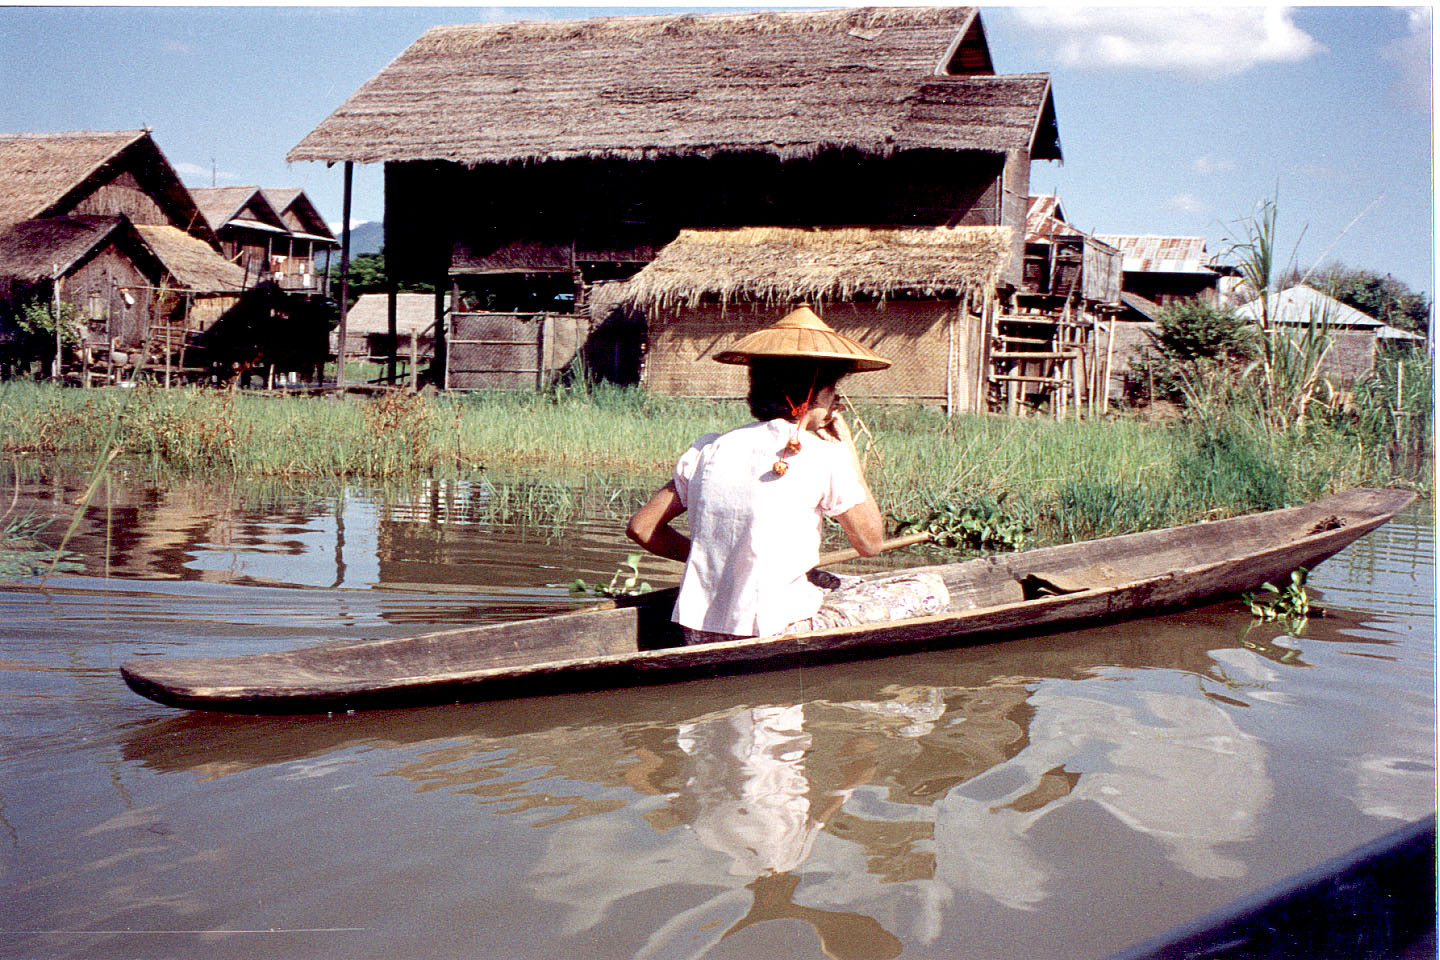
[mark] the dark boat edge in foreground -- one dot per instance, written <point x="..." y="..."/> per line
<point x="631" y="641"/>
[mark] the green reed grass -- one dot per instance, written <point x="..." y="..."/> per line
<point x="571" y="454"/>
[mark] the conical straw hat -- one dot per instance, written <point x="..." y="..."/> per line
<point x="802" y="334"/>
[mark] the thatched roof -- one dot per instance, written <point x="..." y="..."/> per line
<point x="51" y="246"/>
<point x="414" y="313"/>
<point x="222" y="205"/>
<point x="47" y="174"/>
<point x="38" y="169"/>
<point x="299" y="213"/>
<point x="776" y="264"/>
<point x="192" y="262"/>
<point x="787" y="83"/>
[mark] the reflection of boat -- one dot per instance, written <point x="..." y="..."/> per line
<point x="632" y="641"/>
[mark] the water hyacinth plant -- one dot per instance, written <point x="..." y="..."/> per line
<point x="1289" y="605"/>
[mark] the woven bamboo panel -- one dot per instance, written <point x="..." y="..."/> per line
<point x="494" y="351"/>
<point x="919" y="338"/>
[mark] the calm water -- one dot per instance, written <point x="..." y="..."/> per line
<point x="1057" y="796"/>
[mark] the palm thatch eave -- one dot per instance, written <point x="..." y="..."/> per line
<point x="787" y="264"/>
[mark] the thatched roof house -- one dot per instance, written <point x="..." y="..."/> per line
<point x="726" y="162"/>
<point x="575" y="144"/>
<point x="86" y="172"/>
<point x="367" y="328"/>
<point x="874" y="80"/>
<point x="104" y="219"/>
<point x="272" y="234"/>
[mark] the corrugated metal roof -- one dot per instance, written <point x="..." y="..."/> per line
<point x="1045" y="219"/>
<point x="1154" y="254"/>
<point x="1299" y="303"/>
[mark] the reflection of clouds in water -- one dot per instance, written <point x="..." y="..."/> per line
<point x="1393" y="787"/>
<point x="622" y="857"/>
<point x="1251" y="672"/>
<point x="1174" y="768"/>
<point x="923" y="713"/>
<point x="1396" y="780"/>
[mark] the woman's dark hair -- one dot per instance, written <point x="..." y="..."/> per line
<point x="778" y="385"/>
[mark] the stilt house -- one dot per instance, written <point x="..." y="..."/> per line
<point x="310" y="238"/>
<point x="271" y="234"/>
<point x="526" y="164"/>
<point x="99" y="224"/>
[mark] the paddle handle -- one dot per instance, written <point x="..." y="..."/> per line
<point x="840" y="556"/>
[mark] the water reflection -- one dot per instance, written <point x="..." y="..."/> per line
<point x="942" y="802"/>
<point x="937" y="788"/>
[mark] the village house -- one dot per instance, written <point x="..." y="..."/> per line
<point x="98" y="226"/>
<point x="531" y="167"/>
<point x="1356" y="338"/>
<point x="1167" y="270"/>
<point x="273" y="234"/>
<point x="100" y="222"/>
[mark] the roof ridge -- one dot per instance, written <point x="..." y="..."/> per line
<point x="682" y="24"/>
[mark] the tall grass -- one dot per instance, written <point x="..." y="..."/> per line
<point x="606" y="448"/>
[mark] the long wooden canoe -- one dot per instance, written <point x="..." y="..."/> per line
<point x="632" y="641"/>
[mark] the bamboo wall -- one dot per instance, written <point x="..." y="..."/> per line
<point x="935" y="347"/>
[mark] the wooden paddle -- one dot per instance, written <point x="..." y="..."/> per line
<point x="840" y="556"/>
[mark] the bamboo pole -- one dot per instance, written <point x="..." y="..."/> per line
<point x="1109" y="356"/>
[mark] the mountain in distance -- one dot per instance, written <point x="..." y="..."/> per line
<point x="365" y="237"/>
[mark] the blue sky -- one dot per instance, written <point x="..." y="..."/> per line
<point x="1173" y="120"/>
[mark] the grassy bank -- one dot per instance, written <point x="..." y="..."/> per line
<point x="1063" y="481"/>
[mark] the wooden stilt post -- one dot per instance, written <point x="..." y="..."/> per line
<point x="344" y="275"/>
<point x="414" y="360"/>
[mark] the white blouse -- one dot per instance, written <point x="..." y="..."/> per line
<point x="754" y="534"/>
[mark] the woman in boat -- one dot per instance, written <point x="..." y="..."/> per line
<point x="758" y="494"/>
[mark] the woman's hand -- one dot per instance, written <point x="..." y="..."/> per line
<point x="835" y="429"/>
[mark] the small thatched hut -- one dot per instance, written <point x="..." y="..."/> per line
<point x="916" y="295"/>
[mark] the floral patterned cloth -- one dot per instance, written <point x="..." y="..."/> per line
<point x="850" y="601"/>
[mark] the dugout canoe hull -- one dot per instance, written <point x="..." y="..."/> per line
<point x="632" y="641"/>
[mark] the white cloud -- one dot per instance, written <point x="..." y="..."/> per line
<point x="1188" y="202"/>
<point x="1205" y="166"/>
<point x="195" y="171"/>
<point x="1207" y="40"/>
<point x="1411" y="57"/>
<point x="335" y="225"/>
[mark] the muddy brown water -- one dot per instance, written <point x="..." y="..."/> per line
<point x="1060" y="795"/>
